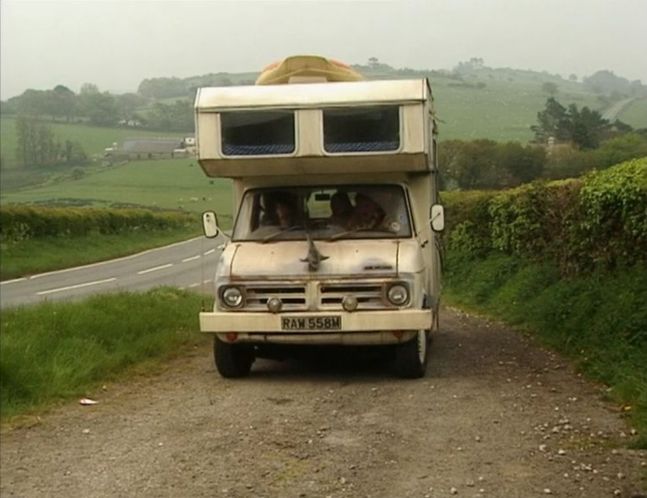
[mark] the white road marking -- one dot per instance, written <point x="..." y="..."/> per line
<point x="210" y="251"/>
<point x="132" y="256"/>
<point x="168" y="265"/>
<point x="13" y="281"/>
<point x="206" y="281"/>
<point x="77" y="286"/>
<point x="194" y="285"/>
<point x="186" y="260"/>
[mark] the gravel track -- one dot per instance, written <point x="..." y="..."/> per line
<point x="496" y="416"/>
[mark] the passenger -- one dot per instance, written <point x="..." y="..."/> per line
<point x="279" y="210"/>
<point x="367" y="214"/>
<point x="341" y="209"/>
<point x="284" y="213"/>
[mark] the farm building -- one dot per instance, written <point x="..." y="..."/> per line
<point x="150" y="148"/>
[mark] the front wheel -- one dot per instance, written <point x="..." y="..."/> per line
<point x="232" y="360"/>
<point x="411" y="357"/>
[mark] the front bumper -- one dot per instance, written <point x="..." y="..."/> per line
<point x="365" y="327"/>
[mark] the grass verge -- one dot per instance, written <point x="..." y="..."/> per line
<point x="32" y="256"/>
<point x="54" y="351"/>
<point x="599" y="321"/>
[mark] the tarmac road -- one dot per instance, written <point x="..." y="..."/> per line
<point x="188" y="264"/>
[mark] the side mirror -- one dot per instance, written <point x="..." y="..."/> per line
<point x="437" y="220"/>
<point x="210" y="224"/>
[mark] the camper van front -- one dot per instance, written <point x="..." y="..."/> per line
<point x="342" y="263"/>
<point x="333" y="186"/>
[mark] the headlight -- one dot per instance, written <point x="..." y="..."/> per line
<point x="398" y="294"/>
<point x="232" y="297"/>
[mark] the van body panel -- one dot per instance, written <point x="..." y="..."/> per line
<point x="356" y="285"/>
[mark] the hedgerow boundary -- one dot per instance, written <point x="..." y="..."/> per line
<point x="566" y="261"/>
<point x="40" y="239"/>
<point x="19" y="222"/>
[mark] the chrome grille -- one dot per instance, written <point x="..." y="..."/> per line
<point x="369" y="295"/>
<point x="293" y="296"/>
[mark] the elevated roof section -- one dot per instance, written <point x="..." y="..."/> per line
<point x="315" y="128"/>
<point x="312" y="95"/>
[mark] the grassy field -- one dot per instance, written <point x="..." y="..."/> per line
<point x="93" y="139"/>
<point x="635" y="114"/>
<point x="168" y="184"/>
<point x="502" y="110"/>
<point x="56" y="351"/>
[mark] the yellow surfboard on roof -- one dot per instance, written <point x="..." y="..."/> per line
<point x="307" y="69"/>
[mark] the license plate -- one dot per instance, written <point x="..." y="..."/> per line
<point x="311" y="323"/>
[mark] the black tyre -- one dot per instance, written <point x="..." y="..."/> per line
<point x="232" y="360"/>
<point x="411" y="357"/>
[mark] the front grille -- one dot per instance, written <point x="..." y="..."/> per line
<point x="369" y="295"/>
<point x="293" y="297"/>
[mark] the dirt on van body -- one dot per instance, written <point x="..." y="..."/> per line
<point x="495" y="416"/>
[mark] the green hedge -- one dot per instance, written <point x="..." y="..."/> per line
<point x="597" y="222"/>
<point x="19" y="222"/>
<point x="568" y="261"/>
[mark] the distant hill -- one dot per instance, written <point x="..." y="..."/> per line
<point x="472" y="100"/>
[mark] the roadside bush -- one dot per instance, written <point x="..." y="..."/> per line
<point x="27" y="222"/>
<point x="568" y="261"/>
<point x="565" y="161"/>
<point x="599" y="221"/>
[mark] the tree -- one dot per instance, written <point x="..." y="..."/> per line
<point x="63" y="102"/>
<point x="587" y="127"/>
<point x="162" y="88"/>
<point x="32" y="103"/>
<point x="553" y="122"/>
<point x="175" y="117"/>
<point x="550" y="88"/>
<point x="127" y="105"/>
<point x="522" y="164"/>
<point x="35" y="144"/>
<point x="99" y="107"/>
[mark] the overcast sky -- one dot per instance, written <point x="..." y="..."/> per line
<point x="117" y="43"/>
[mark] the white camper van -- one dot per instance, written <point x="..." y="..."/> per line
<point x="336" y="218"/>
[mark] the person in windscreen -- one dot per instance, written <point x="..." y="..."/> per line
<point x="341" y="209"/>
<point x="280" y="210"/>
<point x="284" y="214"/>
<point x="367" y="214"/>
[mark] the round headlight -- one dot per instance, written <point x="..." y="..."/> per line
<point x="398" y="294"/>
<point x="232" y="297"/>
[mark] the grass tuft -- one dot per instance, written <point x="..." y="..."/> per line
<point x="54" y="351"/>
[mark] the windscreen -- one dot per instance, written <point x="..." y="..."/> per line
<point x="323" y="213"/>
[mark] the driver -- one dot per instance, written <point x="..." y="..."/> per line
<point x="367" y="214"/>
